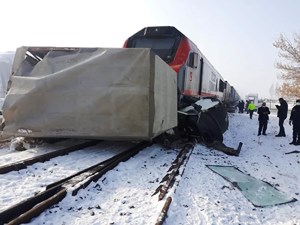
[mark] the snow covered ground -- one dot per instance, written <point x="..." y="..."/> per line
<point x="124" y="195"/>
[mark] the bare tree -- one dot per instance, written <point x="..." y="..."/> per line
<point x="289" y="52"/>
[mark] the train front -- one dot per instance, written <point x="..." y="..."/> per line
<point x="204" y="117"/>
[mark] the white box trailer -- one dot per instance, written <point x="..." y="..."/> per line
<point x="98" y="93"/>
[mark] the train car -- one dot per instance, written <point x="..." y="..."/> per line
<point x="196" y="75"/>
<point x="231" y="97"/>
<point x="235" y="95"/>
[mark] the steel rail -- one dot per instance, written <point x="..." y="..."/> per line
<point x="32" y="207"/>
<point x="169" y="180"/>
<point x="45" y="157"/>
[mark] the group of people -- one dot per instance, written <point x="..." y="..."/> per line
<point x="282" y="113"/>
<point x="250" y="107"/>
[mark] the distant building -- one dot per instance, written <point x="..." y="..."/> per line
<point x="252" y="97"/>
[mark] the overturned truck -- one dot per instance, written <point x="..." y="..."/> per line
<point x="103" y="93"/>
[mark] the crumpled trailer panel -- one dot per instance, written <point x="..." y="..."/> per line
<point x="99" y="93"/>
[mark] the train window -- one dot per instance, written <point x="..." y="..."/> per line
<point x="221" y="86"/>
<point x="196" y="60"/>
<point x="163" y="47"/>
<point x="193" y="60"/>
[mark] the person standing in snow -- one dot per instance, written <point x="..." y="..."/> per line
<point x="251" y="109"/>
<point x="241" y="106"/>
<point x="295" y="119"/>
<point x="263" y="117"/>
<point x="282" y="115"/>
<point x="247" y="104"/>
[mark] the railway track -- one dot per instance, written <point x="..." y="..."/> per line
<point x="24" y="211"/>
<point x="170" y="180"/>
<point x="30" y="208"/>
<point x="45" y="157"/>
<point x="36" y="177"/>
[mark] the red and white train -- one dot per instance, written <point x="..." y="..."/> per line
<point x="196" y="75"/>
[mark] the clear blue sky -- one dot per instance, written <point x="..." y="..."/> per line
<point x="235" y="35"/>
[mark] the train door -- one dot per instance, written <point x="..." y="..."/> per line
<point x="192" y="75"/>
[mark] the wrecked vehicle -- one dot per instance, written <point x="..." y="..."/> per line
<point x="158" y="82"/>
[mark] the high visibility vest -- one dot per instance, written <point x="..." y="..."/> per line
<point x="251" y="106"/>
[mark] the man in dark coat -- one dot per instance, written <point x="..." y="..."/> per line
<point x="295" y="119"/>
<point x="282" y="115"/>
<point x="241" y="106"/>
<point x="263" y="117"/>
